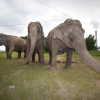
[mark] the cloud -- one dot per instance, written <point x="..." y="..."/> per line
<point x="19" y="13"/>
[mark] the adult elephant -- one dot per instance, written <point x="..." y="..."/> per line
<point x="65" y="38"/>
<point x="13" y="43"/>
<point x="35" y="42"/>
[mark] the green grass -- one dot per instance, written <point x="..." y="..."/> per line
<point x="38" y="82"/>
<point x="95" y="53"/>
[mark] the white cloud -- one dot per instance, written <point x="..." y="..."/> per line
<point x="14" y="12"/>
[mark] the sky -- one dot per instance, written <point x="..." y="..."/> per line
<point x="15" y="15"/>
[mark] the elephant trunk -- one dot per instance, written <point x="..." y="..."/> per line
<point x="30" y="52"/>
<point x="84" y="54"/>
<point x="32" y="43"/>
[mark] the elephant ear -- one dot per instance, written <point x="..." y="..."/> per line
<point x="68" y="39"/>
<point x="64" y="37"/>
<point x="58" y="35"/>
<point x="39" y="30"/>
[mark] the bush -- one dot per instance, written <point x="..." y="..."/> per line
<point x="91" y="43"/>
<point x="45" y="45"/>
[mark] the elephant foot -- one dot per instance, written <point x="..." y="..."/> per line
<point x="67" y="67"/>
<point x="41" y="62"/>
<point x="18" y="57"/>
<point x="26" y="63"/>
<point x="53" y="68"/>
<point x="33" y="61"/>
<point x="9" y="58"/>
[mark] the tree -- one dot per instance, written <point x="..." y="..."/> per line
<point x="24" y="37"/>
<point x="91" y="43"/>
<point x="45" y="45"/>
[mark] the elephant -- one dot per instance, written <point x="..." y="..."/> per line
<point x="66" y="37"/>
<point x="35" y="42"/>
<point x="13" y="43"/>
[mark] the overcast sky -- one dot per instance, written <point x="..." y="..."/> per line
<point x="16" y="14"/>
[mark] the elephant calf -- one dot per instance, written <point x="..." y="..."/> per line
<point x="13" y="43"/>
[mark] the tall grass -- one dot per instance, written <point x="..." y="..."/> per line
<point x="38" y="82"/>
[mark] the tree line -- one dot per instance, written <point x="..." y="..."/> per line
<point x="90" y="43"/>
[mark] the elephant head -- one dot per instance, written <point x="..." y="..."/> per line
<point x="72" y="35"/>
<point x="39" y="31"/>
<point x="3" y="39"/>
<point x="35" y="34"/>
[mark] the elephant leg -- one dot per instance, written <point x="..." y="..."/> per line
<point x="49" y="58"/>
<point x="53" y="58"/>
<point x="7" y="50"/>
<point x="41" y="56"/>
<point x="24" y="54"/>
<point x="10" y="52"/>
<point x="19" y="55"/>
<point x="68" y="58"/>
<point x="33" y="57"/>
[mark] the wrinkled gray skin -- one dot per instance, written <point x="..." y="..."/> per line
<point x="35" y="42"/>
<point x="12" y="43"/>
<point x="65" y="38"/>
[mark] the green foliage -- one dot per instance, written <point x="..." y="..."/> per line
<point x="90" y="43"/>
<point x="95" y="53"/>
<point x="45" y="45"/>
<point x="24" y="37"/>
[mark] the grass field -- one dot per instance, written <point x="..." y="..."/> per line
<point x="38" y="82"/>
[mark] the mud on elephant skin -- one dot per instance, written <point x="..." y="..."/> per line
<point x="35" y="42"/>
<point x="66" y="37"/>
<point x="13" y="43"/>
